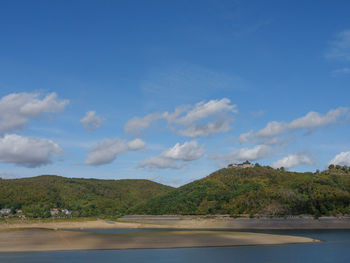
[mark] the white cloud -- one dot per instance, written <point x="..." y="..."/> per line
<point x="188" y="151"/>
<point x="273" y="128"/>
<point x="310" y="121"/>
<point x="136" y="144"/>
<point x="172" y="157"/>
<point x="315" y="119"/>
<point x="91" y="121"/>
<point x="342" y="158"/>
<point x="203" y="110"/>
<point x="159" y="162"/>
<point x="250" y="154"/>
<point x="206" y="129"/>
<point x="293" y="160"/>
<point x="27" y="151"/>
<point x="17" y="109"/>
<point x="137" y="124"/>
<point x="340" y="47"/>
<point x="186" y="116"/>
<point x="245" y="137"/>
<point x="106" y="151"/>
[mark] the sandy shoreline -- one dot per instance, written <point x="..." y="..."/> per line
<point x="52" y="236"/>
<point x="93" y="224"/>
<point x="226" y="222"/>
<point x="187" y="222"/>
<point x="30" y="240"/>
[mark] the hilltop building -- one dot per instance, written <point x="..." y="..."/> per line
<point x="245" y="164"/>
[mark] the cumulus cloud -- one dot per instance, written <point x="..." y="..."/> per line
<point x="187" y="116"/>
<point x="206" y="129"/>
<point x="340" y="47"/>
<point x="17" y="109"/>
<point x="311" y="120"/>
<point x="106" y="151"/>
<point x="250" y="154"/>
<point x="91" y="121"/>
<point x="137" y="124"/>
<point x="315" y="119"/>
<point x="203" y="110"/>
<point x="293" y="160"/>
<point x="27" y="151"/>
<point x="175" y="156"/>
<point x="245" y="137"/>
<point x="342" y="158"/>
<point x="273" y="128"/>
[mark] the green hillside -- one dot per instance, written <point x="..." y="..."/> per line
<point x="84" y="197"/>
<point x="258" y="190"/>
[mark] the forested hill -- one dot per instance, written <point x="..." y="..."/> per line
<point x="84" y="197"/>
<point x="257" y="190"/>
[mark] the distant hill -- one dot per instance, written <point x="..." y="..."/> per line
<point x="257" y="190"/>
<point x="84" y="197"/>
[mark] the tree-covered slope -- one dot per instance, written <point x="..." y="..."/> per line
<point x="258" y="190"/>
<point x="85" y="197"/>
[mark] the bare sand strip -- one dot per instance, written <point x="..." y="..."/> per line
<point x="26" y="240"/>
<point x="87" y="224"/>
<point x="226" y="222"/>
<point x="188" y="222"/>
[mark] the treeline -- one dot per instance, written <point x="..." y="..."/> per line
<point x="258" y="191"/>
<point x="35" y="197"/>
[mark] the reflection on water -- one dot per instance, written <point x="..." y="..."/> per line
<point x="335" y="248"/>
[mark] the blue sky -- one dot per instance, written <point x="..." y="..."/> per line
<point x="172" y="90"/>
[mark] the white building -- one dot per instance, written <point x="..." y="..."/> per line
<point x="245" y="164"/>
<point x="5" y="211"/>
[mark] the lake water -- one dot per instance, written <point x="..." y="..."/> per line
<point x="334" y="249"/>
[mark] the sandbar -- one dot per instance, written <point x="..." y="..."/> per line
<point x="30" y="240"/>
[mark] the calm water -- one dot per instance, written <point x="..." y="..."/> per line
<point x="335" y="248"/>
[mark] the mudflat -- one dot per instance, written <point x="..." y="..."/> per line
<point x="25" y="240"/>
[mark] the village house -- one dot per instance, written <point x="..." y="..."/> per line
<point x="5" y="211"/>
<point x="19" y="213"/>
<point x="54" y="212"/>
<point x="245" y="164"/>
<point x="66" y="212"/>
